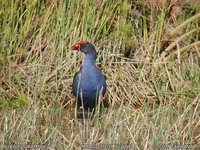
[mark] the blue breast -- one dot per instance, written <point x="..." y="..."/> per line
<point x="88" y="84"/>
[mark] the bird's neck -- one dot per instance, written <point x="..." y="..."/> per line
<point x="89" y="61"/>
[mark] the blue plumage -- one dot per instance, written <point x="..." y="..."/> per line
<point x="89" y="83"/>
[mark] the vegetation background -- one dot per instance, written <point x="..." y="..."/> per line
<point x="148" y="49"/>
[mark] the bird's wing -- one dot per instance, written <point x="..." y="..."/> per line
<point x="75" y="78"/>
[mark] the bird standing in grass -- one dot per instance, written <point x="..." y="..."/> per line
<point x="89" y="84"/>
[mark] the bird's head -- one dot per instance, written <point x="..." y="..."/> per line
<point x="86" y="47"/>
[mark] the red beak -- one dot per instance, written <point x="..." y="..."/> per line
<point x="77" y="46"/>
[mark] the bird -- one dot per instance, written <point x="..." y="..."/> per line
<point x="89" y="83"/>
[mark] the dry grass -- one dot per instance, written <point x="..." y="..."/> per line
<point x="151" y="62"/>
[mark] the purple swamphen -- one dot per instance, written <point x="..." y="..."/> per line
<point x="89" y="84"/>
